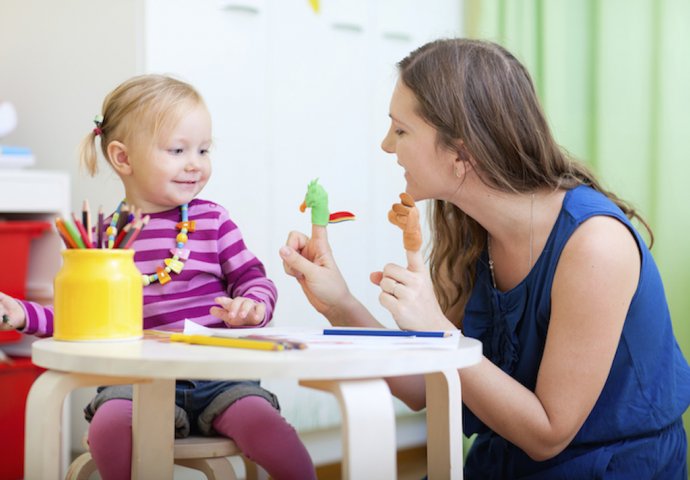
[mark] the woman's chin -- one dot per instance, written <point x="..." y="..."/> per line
<point x="414" y="193"/>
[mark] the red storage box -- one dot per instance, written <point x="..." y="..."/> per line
<point x="15" y="381"/>
<point x="15" y="242"/>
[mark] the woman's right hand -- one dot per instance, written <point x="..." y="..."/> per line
<point x="311" y="262"/>
<point x="12" y="314"/>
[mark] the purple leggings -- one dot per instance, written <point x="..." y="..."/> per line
<point x="257" y="428"/>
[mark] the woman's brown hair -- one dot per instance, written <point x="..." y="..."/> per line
<point x="479" y="97"/>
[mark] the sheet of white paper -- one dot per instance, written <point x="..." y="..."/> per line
<point x="314" y="337"/>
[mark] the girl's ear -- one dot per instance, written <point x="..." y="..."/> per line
<point x="119" y="158"/>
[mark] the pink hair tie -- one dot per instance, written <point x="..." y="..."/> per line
<point x="98" y="120"/>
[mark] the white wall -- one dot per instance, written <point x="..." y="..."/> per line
<point x="57" y="61"/>
<point x="294" y="95"/>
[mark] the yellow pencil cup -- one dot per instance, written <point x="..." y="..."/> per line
<point x="98" y="296"/>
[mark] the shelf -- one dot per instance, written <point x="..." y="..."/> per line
<point x="34" y="192"/>
<point x="36" y="195"/>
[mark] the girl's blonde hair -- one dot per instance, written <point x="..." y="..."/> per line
<point x="478" y="92"/>
<point x="136" y="113"/>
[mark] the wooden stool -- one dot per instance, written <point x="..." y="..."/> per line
<point x="207" y="454"/>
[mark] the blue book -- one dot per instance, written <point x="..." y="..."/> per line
<point x="11" y="150"/>
<point x="15" y="157"/>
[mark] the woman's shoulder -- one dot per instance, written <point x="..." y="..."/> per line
<point x="583" y="202"/>
<point x="600" y="227"/>
<point x="602" y="236"/>
<point x="593" y="237"/>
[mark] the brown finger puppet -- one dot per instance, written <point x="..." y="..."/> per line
<point x="406" y="216"/>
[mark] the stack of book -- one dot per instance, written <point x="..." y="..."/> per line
<point x="15" y="157"/>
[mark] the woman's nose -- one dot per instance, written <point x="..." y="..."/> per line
<point x="388" y="143"/>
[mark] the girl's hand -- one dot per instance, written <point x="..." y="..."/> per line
<point x="409" y="295"/>
<point x="12" y="315"/>
<point x="239" y="311"/>
<point x="311" y="262"/>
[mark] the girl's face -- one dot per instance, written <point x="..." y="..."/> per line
<point x="176" y="167"/>
<point x="428" y="168"/>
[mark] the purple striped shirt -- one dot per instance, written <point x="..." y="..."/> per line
<point x="219" y="264"/>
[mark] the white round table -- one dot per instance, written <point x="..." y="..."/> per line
<point x="354" y="376"/>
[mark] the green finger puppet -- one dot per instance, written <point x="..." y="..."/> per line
<point x="317" y="200"/>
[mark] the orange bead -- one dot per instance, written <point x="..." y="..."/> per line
<point x="163" y="276"/>
<point x="190" y="226"/>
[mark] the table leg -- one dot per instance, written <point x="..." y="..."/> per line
<point x="153" y="433"/>
<point x="444" y="425"/>
<point x="43" y="425"/>
<point x="368" y="426"/>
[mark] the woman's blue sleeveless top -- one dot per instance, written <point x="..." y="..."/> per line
<point x="636" y="418"/>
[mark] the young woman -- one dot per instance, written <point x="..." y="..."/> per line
<point x="582" y="376"/>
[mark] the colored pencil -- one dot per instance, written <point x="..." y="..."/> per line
<point x="86" y="221"/>
<point x="64" y="234"/>
<point x="134" y="232"/>
<point x="288" y="344"/>
<point x="82" y="232"/>
<point x="122" y="218"/>
<point x="99" y="227"/>
<point x="383" y="332"/>
<point x="226" y="342"/>
<point x="74" y="233"/>
<point x="121" y="235"/>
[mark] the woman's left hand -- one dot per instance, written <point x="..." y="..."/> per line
<point x="409" y="295"/>
<point x="239" y="311"/>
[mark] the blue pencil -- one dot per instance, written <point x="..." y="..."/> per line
<point x="382" y="332"/>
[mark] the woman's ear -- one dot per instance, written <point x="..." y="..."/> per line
<point x="463" y="161"/>
<point x="460" y="168"/>
<point x="119" y="158"/>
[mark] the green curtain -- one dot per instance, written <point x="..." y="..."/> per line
<point x="614" y="79"/>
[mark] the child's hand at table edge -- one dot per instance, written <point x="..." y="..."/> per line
<point x="239" y="311"/>
<point x="12" y="315"/>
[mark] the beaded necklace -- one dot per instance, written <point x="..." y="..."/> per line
<point x="179" y="253"/>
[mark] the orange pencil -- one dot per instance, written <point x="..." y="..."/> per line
<point x="66" y="237"/>
<point x="73" y="232"/>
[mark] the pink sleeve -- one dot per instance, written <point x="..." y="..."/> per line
<point x="39" y="319"/>
<point x="244" y="273"/>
